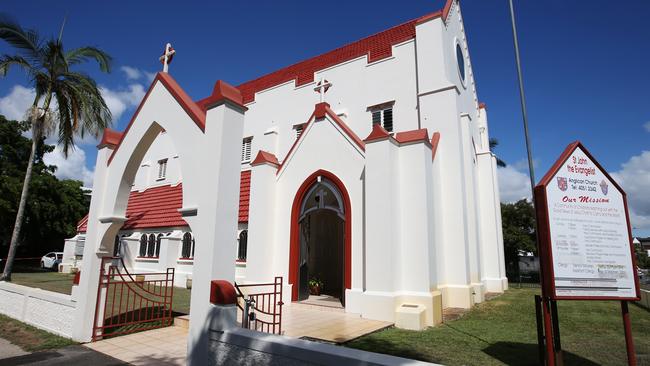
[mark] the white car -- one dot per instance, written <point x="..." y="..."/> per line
<point x="51" y="260"/>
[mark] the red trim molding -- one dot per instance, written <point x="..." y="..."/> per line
<point x="110" y="138"/>
<point x="264" y="157"/>
<point x="223" y="92"/>
<point x="294" y="249"/>
<point x="378" y="133"/>
<point x="408" y="137"/>
<point x="435" y="139"/>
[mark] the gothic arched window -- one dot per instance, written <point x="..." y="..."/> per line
<point x="143" y="245"/>
<point x="158" y="240"/>
<point x="151" y="248"/>
<point x="243" y="245"/>
<point x="186" y="250"/>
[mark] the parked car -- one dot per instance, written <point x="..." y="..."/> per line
<point x="51" y="260"/>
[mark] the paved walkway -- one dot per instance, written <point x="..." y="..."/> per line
<point x="168" y="346"/>
<point x="8" y="349"/>
<point x="67" y="356"/>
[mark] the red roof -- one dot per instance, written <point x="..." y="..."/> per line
<point x="158" y="206"/>
<point x="375" y="47"/>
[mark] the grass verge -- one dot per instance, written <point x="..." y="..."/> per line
<point x="29" y="338"/>
<point x="503" y="332"/>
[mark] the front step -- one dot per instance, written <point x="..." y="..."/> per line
<point x="182" y="321"/>
<point x="302" y="305"/>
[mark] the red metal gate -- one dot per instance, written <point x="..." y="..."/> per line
<point x="128" y="303"/>
<point x="261" y="311"/>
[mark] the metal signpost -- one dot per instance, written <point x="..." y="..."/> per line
<point x="585" y="243"/>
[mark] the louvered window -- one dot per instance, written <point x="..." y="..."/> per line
<point x="298" y="129"/>
<point x="243" y="245"/>
<point x="158" y="240"/>
<point x="187" y="251"/>
<point x="162" y="168"/>
<point x="151" y="248"/>
<point x="383" y="114"/>
<point x="116" y="246"/>
<point x="246" y="150"/>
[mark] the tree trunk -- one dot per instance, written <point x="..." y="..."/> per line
<point x="36" y="137"/>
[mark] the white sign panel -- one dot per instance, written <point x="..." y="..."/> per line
<point x="589" y="235"/>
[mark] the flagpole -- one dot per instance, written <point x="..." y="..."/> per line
<point x="547" y="303"/>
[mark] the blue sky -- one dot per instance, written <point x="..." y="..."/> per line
<point x="585" y="66"/>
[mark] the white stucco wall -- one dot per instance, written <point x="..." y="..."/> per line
<point x="50" y="311"/>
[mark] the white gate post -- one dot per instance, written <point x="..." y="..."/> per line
<point x="214" y="219"/>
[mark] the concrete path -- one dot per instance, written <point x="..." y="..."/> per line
<point x="8" y="349"/>
<point x="67" y="356"/>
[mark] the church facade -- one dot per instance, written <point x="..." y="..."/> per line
<point x="366" y="169"/>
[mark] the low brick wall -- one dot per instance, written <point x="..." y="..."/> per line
<point x="46" y="310"/>
<point x="645" y="299"/>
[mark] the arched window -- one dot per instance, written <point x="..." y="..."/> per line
<point x="186" y="250"/>
<point x="158" y="240"/>
<point x="116" y="246"/>
<point x="143" y="245"/>
<point x="151" y="248"/>
<point x="243" y="244"/>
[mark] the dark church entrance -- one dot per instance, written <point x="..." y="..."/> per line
<point x="322" y="233"/>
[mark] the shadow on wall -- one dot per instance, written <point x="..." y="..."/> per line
<point x="513" y="353"/>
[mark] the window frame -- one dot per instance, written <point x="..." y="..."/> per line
<point x="246" y="149"/>
<point x="381" y="110"/>
<point x="242" y="251"/>
<point x="190" y="250"/>
<point x="162" y="169"/>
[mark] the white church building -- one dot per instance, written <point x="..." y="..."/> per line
<point x="367" y="168"/>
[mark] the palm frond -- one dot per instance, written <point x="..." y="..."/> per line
<point x="7" y="61"/>
<point x="83" y="54"/>
<point x="25" y="40"/>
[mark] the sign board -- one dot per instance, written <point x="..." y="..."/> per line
<point x="584" y="231"/>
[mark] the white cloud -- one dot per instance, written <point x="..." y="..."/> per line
<point x="634" y="178"/>
<point x="119" y="100"/>
<point x="15" y="104"/>
<point x="513" y="184"/>
<point x="74" y="167"/>
<point x="647" y="126"/>
<point x="133" y="73"/>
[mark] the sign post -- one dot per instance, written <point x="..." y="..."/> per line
<point x="585" y="240"/>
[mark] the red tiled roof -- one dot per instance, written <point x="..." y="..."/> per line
<point x="375" y="47"/>
<point x="244" y="195"/>
<point x="158" y="206"/>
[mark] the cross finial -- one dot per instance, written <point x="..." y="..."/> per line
<point x="322" y="87"/>
<point x="167" y="57"/>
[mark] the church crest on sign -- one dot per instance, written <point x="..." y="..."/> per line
<point x="604" y="187"/>
<point x="562" y="183"/>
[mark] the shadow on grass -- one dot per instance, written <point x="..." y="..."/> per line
<point x="391" y="348"/>
<point x="514" y="353"/>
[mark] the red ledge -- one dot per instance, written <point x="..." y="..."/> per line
<point x="222" y="293"/>
<point x="378" y="134"/>
<point x="186" y="259"/>
<point x="141" y="257"/>
<point x="223" y="91"/>
<point x="264" y="157"/>
<point x="412" y="136"/>
<point x="110" y="138"/>
<point x="482" y="105"/>
<point x="435" y="140"/>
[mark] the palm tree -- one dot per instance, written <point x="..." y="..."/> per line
<point x="493" y="144"/>
<point x="66" y="101"/>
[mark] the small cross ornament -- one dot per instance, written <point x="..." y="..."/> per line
<point x="322" y="87"/>
<point x="167" y="57"/>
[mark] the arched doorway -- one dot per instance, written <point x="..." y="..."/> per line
<point x="320" y="237"/>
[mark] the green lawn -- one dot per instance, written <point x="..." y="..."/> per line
<point x="30" y="338"/>
<point x="502" y="331"/>
<point x="62" y="283"/>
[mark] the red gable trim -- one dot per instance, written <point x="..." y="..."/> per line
<point x="222" y="91"/>
<point x="264" y="157"/>
<point x="435" y="140"/>
<point x="407" y="137"/>
<point x="110" y="138"/>
<point x="320" y="110"/>
<point x="193" y="110"/>
<point x="378" y="134"/>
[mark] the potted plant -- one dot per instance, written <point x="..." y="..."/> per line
<point x="315" y="286"/>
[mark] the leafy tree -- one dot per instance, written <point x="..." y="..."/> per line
<point x="642" y="259"/>
<point x="55" y="206"/>
<point x="518" y="221"/>
<point x="78" y="109"/>
<point x="493" y="145"/>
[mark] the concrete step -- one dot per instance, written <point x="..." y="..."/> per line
<point x="182" y="321"/>
<point x="303" y="306"/>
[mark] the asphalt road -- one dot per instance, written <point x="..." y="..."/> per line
<point x="67" y="356"/>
